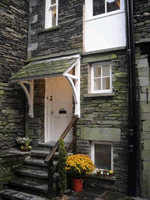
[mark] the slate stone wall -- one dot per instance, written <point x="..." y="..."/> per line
<point x="35" y="126"/>
<point x="142" y="40"/>
<point x="65" y="38"/>
<point x="142" y="20"/>
<point x="9" y="163"/>
<point x="13" y="21"/>
<point x="144" y="84"/>
<point x="106" y="114"/>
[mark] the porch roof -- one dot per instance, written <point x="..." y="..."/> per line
<point x="43" y="69"/>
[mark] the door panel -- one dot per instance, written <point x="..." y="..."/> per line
<point x="59" y="107"/>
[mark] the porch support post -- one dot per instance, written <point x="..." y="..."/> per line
<point x="29" y="94"/>
<point x="75" y="85"/>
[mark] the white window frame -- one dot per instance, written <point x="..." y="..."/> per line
<point x="93" y="152"/>
<point x="89" y="10"/>
<point x="48" y="13"/>
<point x="96" y="65"/>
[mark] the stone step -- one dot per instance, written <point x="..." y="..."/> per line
<point x="39" y="174"/>
<point x="29" y="186"/>
<point x="34" y="174"/>
<point x="43" y="154"/>
<point x="37" y="164"/>
<point x="49" y="145"/>
<point x="10" y="194"/>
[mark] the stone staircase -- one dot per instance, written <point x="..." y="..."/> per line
<point x="31" y="182"/>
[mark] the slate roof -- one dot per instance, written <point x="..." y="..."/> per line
<point x="43" y="69"/>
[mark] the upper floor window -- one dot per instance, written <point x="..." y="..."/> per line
<point x="101" y="78"/>
<point x="96" y="8"/>
<point x="105" y="6"/>
<point x="51" y="13"/>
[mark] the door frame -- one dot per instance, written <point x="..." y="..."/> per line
<point x="49" y="107"/>
<point x="74" y="81"/>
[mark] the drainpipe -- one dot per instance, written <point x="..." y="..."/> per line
<point x="132" y="137"/>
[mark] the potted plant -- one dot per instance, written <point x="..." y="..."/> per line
<point x="105" y="172"/>
<point x="111" y="172"/>
<point x="98" y="172"/>
<point x="77" y="166"/>
<point x="24" y="143"/>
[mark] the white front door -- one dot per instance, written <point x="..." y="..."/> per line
<point x="58" y="110"/>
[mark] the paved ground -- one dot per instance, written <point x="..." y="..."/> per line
<point x="99" y="194"/>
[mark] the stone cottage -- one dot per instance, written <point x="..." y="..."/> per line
<point x="88" y="61"/>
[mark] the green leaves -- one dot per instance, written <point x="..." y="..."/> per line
<point x="62" y="178"/>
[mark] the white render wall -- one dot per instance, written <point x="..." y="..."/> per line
<point x="104" y="32"/>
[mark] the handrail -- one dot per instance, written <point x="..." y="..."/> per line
<point x="63" y="135"/>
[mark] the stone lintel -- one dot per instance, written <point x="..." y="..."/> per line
<point x="99" y="57"/>
<point x="102" y="134"/>
<point x="146" y="125"/>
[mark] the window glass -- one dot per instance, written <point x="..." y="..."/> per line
<point x="98" y="7"/>
<point x="113" y="5"/>
<point x="106" y="83"/>
<point x="101" y="78"/>
<point x="105" y="6"/>
<point x="53" y="16"/>
<point x="53" y="1"/>
<point x="103" y="156"/>
<point x="97" y="84"/>
<point x="97" y="72"/>
<point x="106" y="71"/>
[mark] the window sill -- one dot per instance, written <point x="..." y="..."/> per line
<point x="105" y="15"/>
<point x="49" y="29"/>
<point x="99" y="95"/>
<point x="109" y="178"/>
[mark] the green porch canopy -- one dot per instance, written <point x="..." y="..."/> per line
<point x="49" y="68"/>
<point x="43" y="69"/>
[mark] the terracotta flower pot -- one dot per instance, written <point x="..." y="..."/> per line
<point x="77" y="185"/>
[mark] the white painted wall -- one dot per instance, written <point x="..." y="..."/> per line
<point x="105" y="32"/>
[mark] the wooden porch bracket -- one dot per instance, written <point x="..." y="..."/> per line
<point x="74" y="81"/>
<point x="29" y="94"/>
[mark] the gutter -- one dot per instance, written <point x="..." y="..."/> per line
<point x="133" y="131"/>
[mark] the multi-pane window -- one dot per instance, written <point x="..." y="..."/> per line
<point x="105" y="6"/>
<point x="102" y="155"/>
<point x="101" y="78"/>
<point x="51" y="15"/>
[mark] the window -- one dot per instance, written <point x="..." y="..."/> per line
<point x="102" y="155"/>
<point x="105" y="6"/>
<point x="100" y="8"/>
<point x="101" y="78"/>
<point x="51" y="13"/>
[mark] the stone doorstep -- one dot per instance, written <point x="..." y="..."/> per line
<point x="40" y="153"/>
<point x="49" y="144"/>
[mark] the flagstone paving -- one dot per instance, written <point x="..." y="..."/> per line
<point x="99" y="194"/>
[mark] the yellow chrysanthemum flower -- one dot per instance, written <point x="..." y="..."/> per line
<point x="79" y="165"/>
